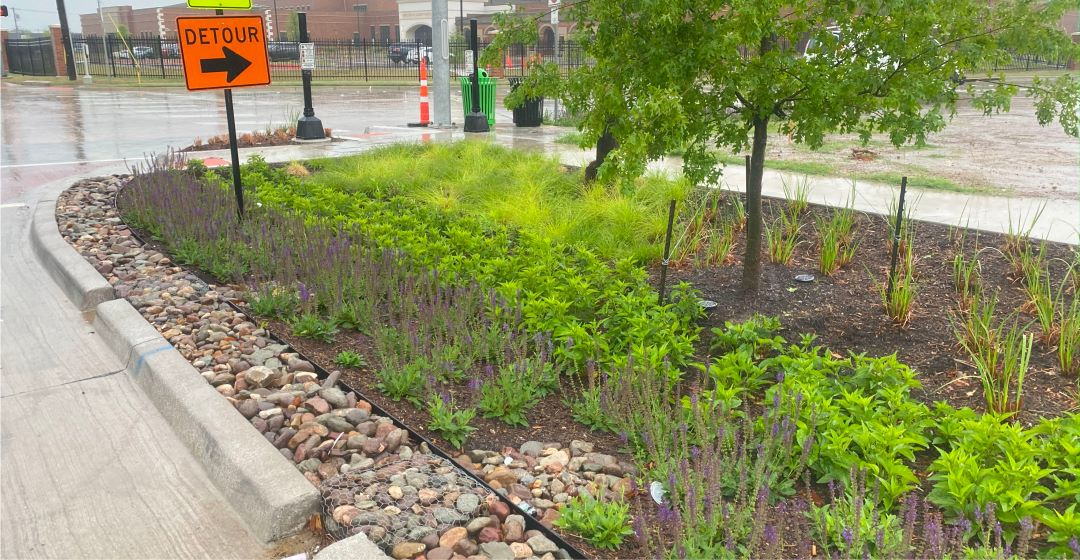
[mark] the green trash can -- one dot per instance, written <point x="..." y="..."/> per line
<point x="487" y="95"/>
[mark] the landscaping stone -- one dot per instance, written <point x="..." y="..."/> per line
<point x="497" y="551"/>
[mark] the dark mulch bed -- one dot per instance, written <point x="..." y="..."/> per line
<point x="845" y="310"/>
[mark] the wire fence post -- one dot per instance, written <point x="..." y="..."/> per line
<point x="896" y="239"/>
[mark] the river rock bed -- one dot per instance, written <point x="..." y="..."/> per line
<point x="373" y="478"/>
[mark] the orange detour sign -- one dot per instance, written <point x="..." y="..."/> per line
<point x="223" y="51"/>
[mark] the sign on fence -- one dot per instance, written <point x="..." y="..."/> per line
<point x="468" y="61"/>
<point x="223" y="51"/>
<point x="307" y="56"/>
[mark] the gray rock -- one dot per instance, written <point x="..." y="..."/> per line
<point x="309" y="465"/>
<point x="531" y="448"/>
<point x="248" y="408"/>
<point x="356" y="415"/>
<point x="497" y="551"/>
<point x="394" y="440"/>
<point x="334" y="396"/>
<point x="448" y="516"/>
<point x="467" y="503"/>
<point x="475" y="525"/>
<point x="578" y="447"/>
<point x="335" y="423"/>
<point x="541" y="545"/>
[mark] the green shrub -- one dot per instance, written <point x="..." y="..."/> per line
<point x="603" y="524"/>
<point x="449" y="421"/>
<point x="348" y="358"/>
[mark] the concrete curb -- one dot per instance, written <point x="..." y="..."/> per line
<point x="268" y="493"/>
<point x="80" y="282"/>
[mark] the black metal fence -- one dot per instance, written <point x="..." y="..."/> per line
<point x="31" y="56"/>
<point x="1028" y="62"/>
<point x="363" y="61"/>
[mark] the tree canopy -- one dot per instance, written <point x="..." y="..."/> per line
<point x="710" y="75"/>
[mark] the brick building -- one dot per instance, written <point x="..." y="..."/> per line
<point x="327" y="19"/>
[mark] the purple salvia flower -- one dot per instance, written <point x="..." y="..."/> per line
<point x="770" y="534"/>
<point x="305" y="293"/>
<point x="879" y="539"/>
<point x="847" y="536"/>
<point x="780" y="376"/>
<point x="445" y="398"/>
<point x="474" y="384"/>
<point x="695" y="452"/>
<point x="1074" y="545"/>
<point x="665" y="514"/>
<point x="639" y="530"/>
<point x="978" y="515"/>
<point x="624" y="438"/>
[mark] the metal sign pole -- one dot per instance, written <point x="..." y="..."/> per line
<point x="476" y="120"/>
<point x="234" y="153"/>
<point x="309" y="127"/>
<point x="440" y="63"/>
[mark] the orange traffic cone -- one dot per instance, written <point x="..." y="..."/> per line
<point x="509" y="62"/>
<point x="424" y="115"/>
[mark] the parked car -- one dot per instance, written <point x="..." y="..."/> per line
<point x="170" y="50"/>
<point x="138" y="52"/>
<point x="398" y="52"/>
<point x="283" y="51"/>
<point x="413" y="55"/>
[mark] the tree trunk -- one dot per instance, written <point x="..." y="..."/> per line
<point x="751" y="277"/>
<point x="604" y="146"/>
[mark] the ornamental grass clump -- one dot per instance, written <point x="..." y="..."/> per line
<point x="1000" y="352"/>
<point x="838" y="243"/>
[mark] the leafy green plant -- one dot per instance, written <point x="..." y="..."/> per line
<point x="348" y="358"/>
<point x="312" y="325"/>
<point x="603" y="524"/>
<point x="758" y="335"/>
<point x="273" y="301"/>
<point x="450" y="422"/>
<point x="408" y="382"/>
<point x="864" y="413"/>
<point x="510" y="394"/>
<point x="588" y="410"/>
<point x="985" y="461"/>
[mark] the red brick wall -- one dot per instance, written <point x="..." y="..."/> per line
<point x="59" y="54"/>
<point x="3" y="41"/>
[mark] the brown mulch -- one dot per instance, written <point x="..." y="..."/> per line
<point x="845" y="310"/>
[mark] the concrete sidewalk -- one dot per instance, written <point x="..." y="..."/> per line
<point x="90" y="468"/>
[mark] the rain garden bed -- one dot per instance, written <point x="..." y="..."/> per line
<point x="491" y="299"/>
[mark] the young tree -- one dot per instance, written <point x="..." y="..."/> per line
<point x="708" y="74"/>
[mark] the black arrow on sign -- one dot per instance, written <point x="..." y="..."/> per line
<point x="232" y="63"/>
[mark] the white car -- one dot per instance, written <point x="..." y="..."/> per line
<point x="412" y="56"/>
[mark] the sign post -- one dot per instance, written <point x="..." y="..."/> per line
<point x="223" y="53"/>
<point x="308" y="127"/>
<point x="554" y="4"/>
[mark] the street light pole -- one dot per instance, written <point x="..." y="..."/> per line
<point x="461" y="17"/>
<point x="309" y="127"/>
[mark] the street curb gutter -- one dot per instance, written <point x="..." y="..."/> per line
<point x="267" y="492"/>
<point x="80" y="282"/>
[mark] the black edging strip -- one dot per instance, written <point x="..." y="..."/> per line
<point x="531" y="522"/>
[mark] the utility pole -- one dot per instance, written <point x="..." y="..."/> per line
<point x="104" y="45"/>
<point x="277" y="22"/>
<point x="440" y="62"/>
<point x="65" y="36"/>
